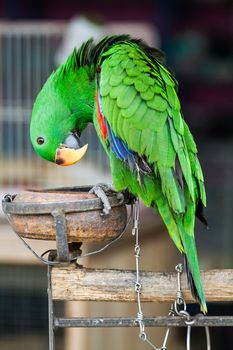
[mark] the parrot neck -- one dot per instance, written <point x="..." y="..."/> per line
<point x="84" y="94"/>
<point x="78" y="90"/>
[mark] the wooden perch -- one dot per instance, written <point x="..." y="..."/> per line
<point x="75" y="283"/>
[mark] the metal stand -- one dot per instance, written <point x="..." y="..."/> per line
<point x="174" y="319"/>
<point x="66" y="252"/>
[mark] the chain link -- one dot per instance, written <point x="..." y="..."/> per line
<point x="138" y="284"/>
<point x="179" y="303"/>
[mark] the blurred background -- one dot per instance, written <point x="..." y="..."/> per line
<point x="35" y="37"/>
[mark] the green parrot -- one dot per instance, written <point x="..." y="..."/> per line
<point x="124" y="88"/>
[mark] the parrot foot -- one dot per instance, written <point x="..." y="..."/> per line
<point x="101" y="190"/>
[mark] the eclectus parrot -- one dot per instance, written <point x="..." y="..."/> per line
<point x="124" y="88"/>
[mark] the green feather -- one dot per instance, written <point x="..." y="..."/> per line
<point x="174" y="136"/>
<point x="157" y="89"/>
<point x="171" y="189"/>
<point x="165" y="149"/>
<point x="133" y="72"/>
<point x="129" y="80"/>
<point x="155" y="120"/>
<point x="126" y="96"/>
<point x="140" y="85"/>
<point x="117" y="90"/>
<point x="137" y="118"/>
<point x="144" y="69"/>
<point x="147" y="79"/>
<point x="115" y="60"/>
<point x="158" y="103"/>
<point x="133" y="110"/>
<point x="145" y="146"/>
<point x="167" y="78"/>
<point x="117" y="70"/>
<point x="108" y="106"/>
<point x="177" y="119"/>
<point x="115" y="116"/>
<point x="128" y="64"/>
<point x="186" y="170"/>
<point x="197" y="173"/>
<point x="172" y="98"/>
<point x="158" y="79"/>
<point x="134" y="139"/>
<point x="116" y="79"/>
<point x="136" y="57"/>
<point x="108" y="72"/>
<point x="152" y="146"/>
<point x="105" y="89"/>
<point x="190" y="143"/>
<point x="147" y="95"/>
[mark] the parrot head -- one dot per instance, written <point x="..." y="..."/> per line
<point x="53" y="130"/>
<point x="61" y="111"/>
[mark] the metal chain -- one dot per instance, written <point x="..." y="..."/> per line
<point x="179" y="303"/>
<point x="139" y="286"/>
<point x="180" y="310"/>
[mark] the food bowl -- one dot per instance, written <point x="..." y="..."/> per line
<point x="32" y="212"/>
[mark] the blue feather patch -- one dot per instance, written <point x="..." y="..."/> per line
<point x="117" y="145"/>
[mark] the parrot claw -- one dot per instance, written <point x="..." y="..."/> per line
<point x="120" y="196"/>
<point x="101" y="190"/>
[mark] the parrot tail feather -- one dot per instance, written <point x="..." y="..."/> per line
<point x="200" y="213"/>
<point x="191" y="283"/>
<point x="192" y="286"/>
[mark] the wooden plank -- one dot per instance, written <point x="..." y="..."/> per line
<point x="75" y="283"/>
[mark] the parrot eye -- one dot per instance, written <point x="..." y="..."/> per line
<point x="40" y="140"/>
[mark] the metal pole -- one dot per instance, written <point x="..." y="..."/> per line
<point x="61" y="236"/>
<point x="158" y="321"/>
<point x="50" y="312"/>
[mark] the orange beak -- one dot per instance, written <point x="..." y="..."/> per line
<point x="67" y="156"/>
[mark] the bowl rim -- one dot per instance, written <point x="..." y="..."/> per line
<point x="34" y="208"/>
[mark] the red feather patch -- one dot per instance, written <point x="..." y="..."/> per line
<point x="100" y="119"/>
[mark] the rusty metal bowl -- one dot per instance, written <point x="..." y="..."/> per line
<point x="31" y="214"/>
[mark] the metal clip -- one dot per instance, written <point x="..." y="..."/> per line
<point x="135" y="218"/>
<point x="179" y="304"/>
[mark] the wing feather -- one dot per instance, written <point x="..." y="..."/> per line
<point x="145" y="113"/>
<point x="141" y="106"/>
